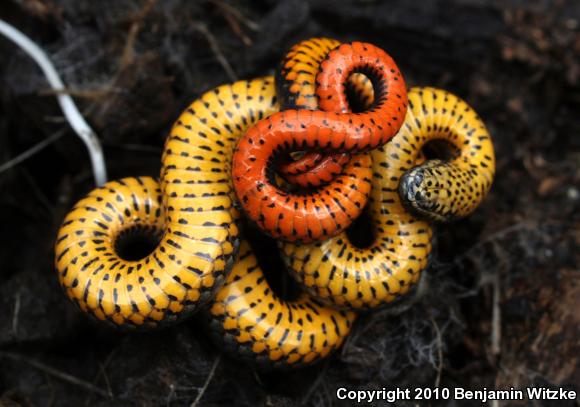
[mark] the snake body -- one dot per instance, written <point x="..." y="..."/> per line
<point x="199" y="235"/>
<point x="445" y="190"/>
<point x="245" y="312"/>
<point x="251" y="321"/>
<point x="193" y="214"/>
<point x="296" y="85"/>
<point x="323" y="213"/>
<point x="348" y="276"/>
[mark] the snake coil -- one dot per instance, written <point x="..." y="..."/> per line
<point x="327" y="211"/>
<point x="226" y="143"/>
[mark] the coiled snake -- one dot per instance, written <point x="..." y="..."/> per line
<point x="192" y="213"/>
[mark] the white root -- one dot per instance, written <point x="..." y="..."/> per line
<point x="68" y="106"/>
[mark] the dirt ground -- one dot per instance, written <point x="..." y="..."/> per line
<point x="503" y="289"/>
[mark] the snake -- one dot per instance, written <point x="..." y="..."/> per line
<point x="325" y="211"/>
<point x="192" y="218"/>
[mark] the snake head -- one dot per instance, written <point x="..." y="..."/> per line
<point x="428" y="191"/>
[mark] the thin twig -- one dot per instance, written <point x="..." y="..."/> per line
<point x="103" y="372"/>
<point x="30" y="152"/>
<point x="237" y="29"/>
<point x="55" y="373"/>
<point x="128" y="50"/>
<point x="202" y="28"/>
<point x="90" y="94"/>
<point x="494" y="236"/>
<point x="67" y="104"/>
<point x="252" y="25"/>
<point x="170" y="395"/>
<point x="233" y="17"/>
<point x="107" y="381"/>
<point x="110" y="95"/>
<point x="38" y="192"/>
<point x="496" y="318"/>
<point x="16" y="314"/>
<point x="439" y="350"/>
<point x="316" y="383"/>
<point x="142" y="148"/>
<point x="216" y="362"/>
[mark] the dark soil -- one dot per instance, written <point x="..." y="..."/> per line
<point x="503" y="291"/>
